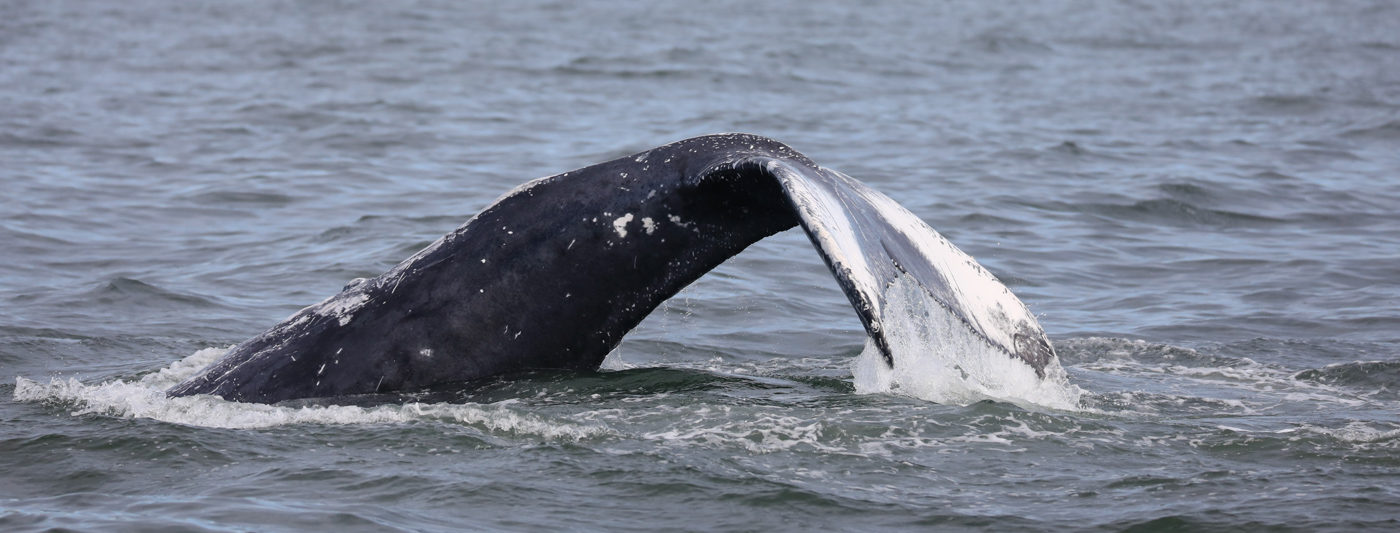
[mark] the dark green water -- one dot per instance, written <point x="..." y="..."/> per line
<point x="1199" y="200"/>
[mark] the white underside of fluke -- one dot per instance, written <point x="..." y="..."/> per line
<point x="939" y="359"/>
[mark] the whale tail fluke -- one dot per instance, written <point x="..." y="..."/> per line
<point x="554" y="273"/>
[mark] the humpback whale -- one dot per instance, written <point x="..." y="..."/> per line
<point x="554" y="273"/>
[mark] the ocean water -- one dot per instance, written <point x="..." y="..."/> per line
<point x="1199" y="200"/>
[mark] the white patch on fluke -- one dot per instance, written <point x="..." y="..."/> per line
<point x="832" y="229"/>
<point x="938" y="358"/>
<point x="620" y="225"/>
<point x="992" y="307"/>
<point x="648" y="225"/>
<point x="677" y="221"/>
<point x="963" y="300"/>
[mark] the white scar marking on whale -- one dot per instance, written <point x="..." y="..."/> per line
<point x="340" y="307"/>
<point x="621" y="224"/>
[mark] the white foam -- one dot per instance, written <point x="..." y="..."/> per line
<point x="145" y="398"/>
<point x="763" y="433"/>
<point x="1354" y="432"/>
<point x="1181" y="374"/>
<point x="938" y="358"/>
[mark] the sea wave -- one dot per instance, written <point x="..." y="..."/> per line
<point x="145" y="398"/>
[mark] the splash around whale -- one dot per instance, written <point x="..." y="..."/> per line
<point x="554" y="273"/>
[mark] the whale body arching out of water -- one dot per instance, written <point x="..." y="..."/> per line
<point x="554" y="273"/>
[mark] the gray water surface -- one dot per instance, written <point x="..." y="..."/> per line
<point x="1200" y="200"/>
